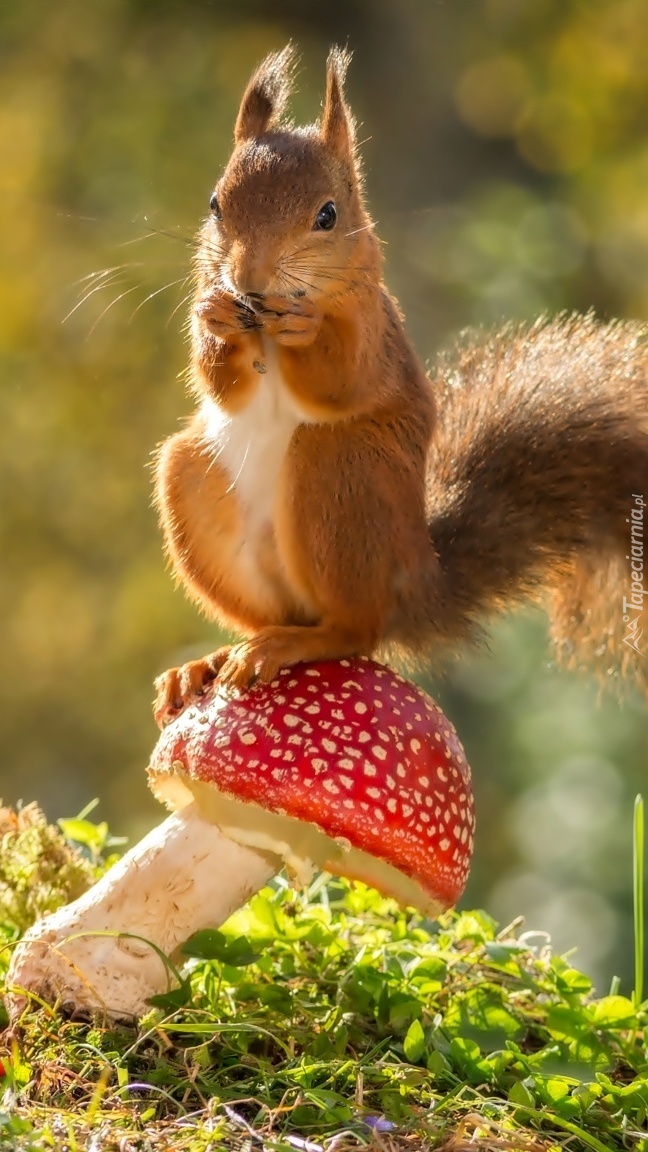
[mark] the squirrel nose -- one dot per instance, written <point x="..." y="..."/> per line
<point x="251" y="272"/>
<point x="252" y="283"/>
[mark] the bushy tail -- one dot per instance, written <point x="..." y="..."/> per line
<point x="538" y="485"/>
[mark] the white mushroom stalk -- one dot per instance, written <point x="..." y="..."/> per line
<point x="106" y="951"/>
<point x="340" y="765"/>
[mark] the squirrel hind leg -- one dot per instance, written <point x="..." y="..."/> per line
<point x="595" y="625"/>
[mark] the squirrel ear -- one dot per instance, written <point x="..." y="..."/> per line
<point x="337" y="121"/>
<point x="265" y="97"/>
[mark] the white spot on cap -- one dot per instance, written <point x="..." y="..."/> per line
<point x="291" y="721"/>
<point x="247" y="737"/>
<point x="312" y="709"/>
<point x="331" y="786"/>
<point x="346" y="782"/>
<point x="364" y="737"/>
<point x="379" y="752"/>
<point x="329" y="745"/>
<point x="369" y="769"/>
<point x="415" y="745"/>
<point x="312" y="671"/>
<point x="360" y="707"/>
<point x="346" y="764"/>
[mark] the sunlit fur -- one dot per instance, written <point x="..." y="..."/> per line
<point x="315" y="501"/>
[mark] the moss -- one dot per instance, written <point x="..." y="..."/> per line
<point x="39" y="869"/>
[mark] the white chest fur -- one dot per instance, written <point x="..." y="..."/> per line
<point x="251" y="445"/>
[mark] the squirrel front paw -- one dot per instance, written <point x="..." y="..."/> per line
<point x="178" y="687"/>
<point x="293" y="321"/>
<point x="225" y="314"/>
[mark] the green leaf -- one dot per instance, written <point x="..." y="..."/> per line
<point x="614" y="1012"/>
<point x="477" y="926"/>
<point x="563" y="1020"/>
<point x="210" y="944"/>
<point x="556" y="1089"/>
<point x="414" y="1042"/>
<point x="437" y="1065"/>
<point x="91" y="836"/>
<point x="586" y="1094"/>
<point x="176" y="998"/>
<point x="504" y="955"/>
<point x="468" y="1058"/>
<point x="278" y="998"/>
<point x="483" y="1016"/>
<point x="520" y="1094"/>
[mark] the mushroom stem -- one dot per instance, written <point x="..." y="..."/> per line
<point x="184" y="876"/>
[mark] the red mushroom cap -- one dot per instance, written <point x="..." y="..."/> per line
<point x="350" y="747"/>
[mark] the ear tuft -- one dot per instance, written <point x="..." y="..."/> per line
<point x="266" y="95"/>
<point x="337" y="120"/>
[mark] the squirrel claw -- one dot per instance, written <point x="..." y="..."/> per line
<point x="177" y="688"/>
<point x="225" y="314"/>
<point x="288" y="320"/>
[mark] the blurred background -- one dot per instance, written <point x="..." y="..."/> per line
<point x="506" y="152"/>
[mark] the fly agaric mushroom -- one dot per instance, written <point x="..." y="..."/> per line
<point x="342" y="765"/>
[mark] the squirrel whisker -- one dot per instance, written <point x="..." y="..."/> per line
<point x="108" y="282"/>
<point x="156" y="292"/>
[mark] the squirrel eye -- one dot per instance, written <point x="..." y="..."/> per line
<point x="214" y="206"/>
<point x="326" y="217"/>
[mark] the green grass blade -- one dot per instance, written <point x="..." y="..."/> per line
<point x="638" y="859"/>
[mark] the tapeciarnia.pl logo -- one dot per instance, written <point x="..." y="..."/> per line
<point x="634" y="604"/>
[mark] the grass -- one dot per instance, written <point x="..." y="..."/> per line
<point x="328" y="1019"/>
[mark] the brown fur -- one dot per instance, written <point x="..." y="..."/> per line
<point x="389" y="525"/>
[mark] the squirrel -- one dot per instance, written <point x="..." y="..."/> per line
<point x="331" y="498"/>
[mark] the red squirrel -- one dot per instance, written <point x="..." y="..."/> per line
<point x="330" y="498"/>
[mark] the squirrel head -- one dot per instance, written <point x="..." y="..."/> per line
<point x="287" y="215"/>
